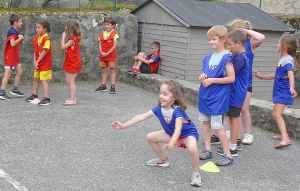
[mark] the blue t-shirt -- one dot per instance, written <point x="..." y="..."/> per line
<point x="12" y="31"/>
<point x="154" y="58"/>
<point x="281" y="88"/>
<point x="214" y="99"/>
<point x="168" y="121"/>
<point x="250" y="56"/>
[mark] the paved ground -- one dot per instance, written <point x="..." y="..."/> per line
<point x="73" y="148"/>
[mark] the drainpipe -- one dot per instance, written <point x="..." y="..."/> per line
<point x="260" y="4"/>
<point x="115" y="5"/>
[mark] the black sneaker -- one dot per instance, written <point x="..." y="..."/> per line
<point x="239" y="145"/>
<point x="16" y="93"/>
<point x="112" y="90"/>
<point x="232" y="152"/>
<point x="31" y="98"/>
<point x="3" y="96"/>
<point x="45" y="101"/>
<point x="214" y="140"/>
<point x="102" y="89"/>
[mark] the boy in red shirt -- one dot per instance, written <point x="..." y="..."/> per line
<point x="108" y="54"/>
<point x="11" y="57"/>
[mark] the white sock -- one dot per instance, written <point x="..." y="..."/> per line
<point x="232" y="146"/>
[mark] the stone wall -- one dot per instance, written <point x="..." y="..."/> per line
<point x="92" y="25"/>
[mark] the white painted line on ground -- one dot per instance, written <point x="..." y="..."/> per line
<point x="13" y="182"/>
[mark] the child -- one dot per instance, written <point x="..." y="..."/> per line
<point x="108" y="54"/>
<point x="42" y="63"/>
<point x="214" y="92"/>
<point x="238" y="89"/>
<point x="72" y="64"/>
<point x="178" y="128"/>
<point x="147" y="64"/>
<point x="284" y="84"/>
<point x="253" y="41"/>
<point x="11" y="57"/>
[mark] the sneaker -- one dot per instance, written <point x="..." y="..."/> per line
<point x="3" y="96"/>
<point x="31" y="98"/>
<point x="224" y="161"/>
<point x="196" y="179"/>
<point x="239" y="145"/>
<point x="248" y="139"/>
<point x="45" y="101"/>
<point x="214" y="140"/>
<point x="158" y="162"/>
<point x="228" y="134"/>
<point x="283" y="143"/>
<point x="206" y="154"/>
<point x="130" y="70"/>
<point x="137" y="70"/>
<point x="35" y="101"/>
<point x="112" y="90"/>
<point x="232" y="152"/>
<point x="16" y="93"/>
<point x="102" y="89"/>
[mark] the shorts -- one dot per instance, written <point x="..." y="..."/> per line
<point x="234" y="111"/>
<point x="105" y="64"/>
<point x="249" y="89"/>
<point x="215" y="120"/>
<point x="11" y="67"/>
<point x="145" y="68"/>
<point x="180" y="142"/>
<point x="43" y="75"/>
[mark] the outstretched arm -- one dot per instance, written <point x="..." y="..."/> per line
<point x="119" y="126"/>
<point x="264" y="77"/>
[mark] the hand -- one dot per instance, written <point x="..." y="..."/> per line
<point x="202" y="77"/>
<point x="257" y="74"/>
<point x="104" y="54"/>
<point x="117" y="125"/>
<point x="64" y="34"/>
<point x="21" y="37"/>
<point x="293" y="92"/>
<point x="168" y="147"/>
<point x="36" y="65"/>
<point x="206" y="82"/>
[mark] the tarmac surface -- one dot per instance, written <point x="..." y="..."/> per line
<point x="47" y="148"/>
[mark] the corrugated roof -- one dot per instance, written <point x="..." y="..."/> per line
<point x="193" y="13"/>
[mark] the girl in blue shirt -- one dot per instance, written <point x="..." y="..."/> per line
<point x="178" y="128"/>
<point x="284" y="84"/>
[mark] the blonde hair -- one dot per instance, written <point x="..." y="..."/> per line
<point x="73" y="28"/>
<point x="178" y="93"/>
<point x="290" y="42"/>
<point x="238" y="23"/>
<point x="217" y="30"/>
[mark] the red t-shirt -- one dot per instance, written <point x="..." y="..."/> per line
<point x="11" y="54"/>
<point x="73" y="62"/>
<point x="154" y="65"/>
<point x="46" y="63"/>
<point x="106" y="45"/>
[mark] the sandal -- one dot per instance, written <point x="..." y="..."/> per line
<point x="283" y="143"/>
<point x="278" y="137"/>
<point x="224" y="161"/>
<point x="69" y="103"/>
<point x="206" y="154"/>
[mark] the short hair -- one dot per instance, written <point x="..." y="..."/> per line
<point x="156" y="44"/>
<point x="13" y="18"/>
<point x="110" y="20"/>
<point x="217" y="30"/>
<point x="45" y="24"/>
<point x="238" y="35"/>
<point x="238" y="23"/>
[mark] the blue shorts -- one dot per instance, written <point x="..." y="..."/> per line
<point x="145" y="68"/>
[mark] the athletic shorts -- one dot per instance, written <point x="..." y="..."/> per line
<point x="249" y="89"/>
<point x="234" y="111"/>
<point x="11" y="67"/>
<point x="180" y="142"/>
<point x="109" y="64"/>
<point x="145" y="68"/>
<point x="43" y="75"/>
<point x="215" y="120"/>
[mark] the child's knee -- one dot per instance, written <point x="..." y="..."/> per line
<point x="149" y="137"/>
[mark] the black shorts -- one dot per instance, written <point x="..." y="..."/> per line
<point x="145" y="68"/>
<point x="234" y="111"/>
<point x="249" y="89"/>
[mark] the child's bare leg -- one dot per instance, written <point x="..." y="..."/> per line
<point x="7" y="74"/>
<point x="70" y="78"/>
<point x="207" y="134"/>
<point x="36" y="83"/>
<point x="139" y="63"/>
<point x="224" y="141"/>
<point x="191" y="144"/>
<point x="46" y="88"/>
<point x="104" y="75"/>
<point x="234" y="129"/>
<point x="246" y="117"/>
<point x="277" y="116"/>
<point x="18" y="75"/>
<point x="155" y="138"/>
<point x="113" y="75"/>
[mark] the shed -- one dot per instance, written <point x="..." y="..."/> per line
<point x="181" y="26"/>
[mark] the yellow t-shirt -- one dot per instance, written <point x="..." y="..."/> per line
<point x="46" y="44"/>
<point x="106" y="35"/>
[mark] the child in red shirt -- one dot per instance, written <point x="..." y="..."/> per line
<point x="11" y="57"/>
<point x="72" y="64"/>
<point x="108" y="54"/>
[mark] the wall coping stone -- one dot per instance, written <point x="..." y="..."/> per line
<point x="261" y="110"/>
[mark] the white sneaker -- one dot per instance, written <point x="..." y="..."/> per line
<point x="248" y="139"/>
<point x="228" y="134"/>
<point x="158" y="162"/>
<point x="196" y="179"/>
<point x="35" y="101"/>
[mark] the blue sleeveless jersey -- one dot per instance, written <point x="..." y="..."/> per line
<point x="239" y="86"/>
<point x="214" y="99"/>
<point x="250" y="56"/>
<point x="188" y="129"/>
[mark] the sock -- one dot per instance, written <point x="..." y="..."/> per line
<point x="103" y="85"/>
<point x="16" y="88"/>
<point x="232" y="146"/>
<point x="2" y="91"/>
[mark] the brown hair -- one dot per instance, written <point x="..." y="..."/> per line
<point x="110" y="20"/>
<point x="156" y="44"/>
<point x="45" y="24"/>
<point x="217" y="30"/>
<point x="238" y="23"/>
<point x="73" y="28"/>
<point x="237" y="35"/>
<point x="13" y="18"/>
<point x="290" y="42"/>
<point x="178" y="93"/>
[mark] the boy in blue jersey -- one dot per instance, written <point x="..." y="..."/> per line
<point x="214" y="93"/>
<point x="238" y="89"/>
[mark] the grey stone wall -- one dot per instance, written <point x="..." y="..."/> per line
<point x="92" y="26"/>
